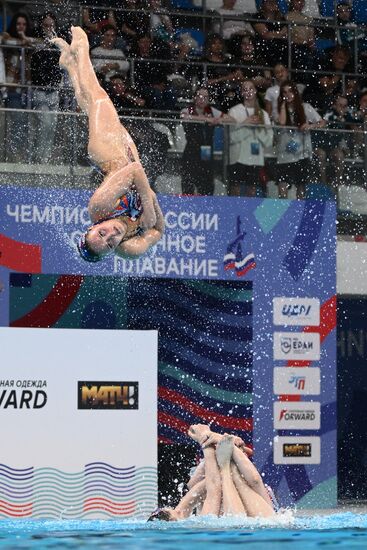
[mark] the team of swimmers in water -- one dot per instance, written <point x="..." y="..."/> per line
<point x="225" y="483"/>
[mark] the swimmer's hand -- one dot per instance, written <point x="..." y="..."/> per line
<point x="147" y="220"/>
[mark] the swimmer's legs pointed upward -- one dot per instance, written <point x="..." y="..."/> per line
<point x="231" y="501"/>
<point x="94" y="101"/>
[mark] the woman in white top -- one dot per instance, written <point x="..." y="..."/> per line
<point x="294" y="147"/>
<point x="247" y="138"/>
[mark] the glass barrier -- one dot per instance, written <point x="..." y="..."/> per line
<point x="198" y="158"/>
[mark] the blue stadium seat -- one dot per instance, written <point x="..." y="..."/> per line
<point x="7" y="23"/>
<point x="183" y="5"/>
<point x="218" y="139"/>
<point x="360" y="11"/>
<point x="324" y="44"/>
<point x="327" y="8"/>
<point x="318" y="191"/>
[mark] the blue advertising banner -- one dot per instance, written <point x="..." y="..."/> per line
<point x="269" y="340"/>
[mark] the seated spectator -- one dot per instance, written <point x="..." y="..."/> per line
<point x="145" y="50"/>
<point x="347" y="33"/>
<point x="248" y="139"/>
<point x="336" y="145"/>
<point x="323" y="89"/>
<point x="360" y="122"/>
<point x="293" y="146"/>
<point x="94" y="20"/>
<point x="245" y="55"/>
<point x="66" y="12"/>
<point x="352" y="92"/>
<point x="361" y="114"/>
<point x="160" y="95"/>
<point x="106" y="58"/>
<point x="281" y="74"/>
<point x="19" y="34"/>
<point x="272" y="35"/>
<point x="219" y="73"/>
<point x="160" y="23"/>
<point x="197" y="160"/>
<point x="17" y="62"/>
<point x="131" y="24"/>
<point x="302" y="36"/>
<point x="46" y="75"/>
<point x="183" y="72"/>
<point x="122" y="96"/>
<point x="228" y="27"/>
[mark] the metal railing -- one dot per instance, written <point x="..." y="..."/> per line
<point x="56" y="140"/>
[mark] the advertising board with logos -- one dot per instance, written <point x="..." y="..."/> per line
<point x="240" y="289"/>
<point x="79" y="423"/>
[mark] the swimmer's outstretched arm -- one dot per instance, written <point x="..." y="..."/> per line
<point x="191" y="500"/>
<point x="198" y="475"/>
<point x="213" y="484"/>
<point x="117" y="184"/>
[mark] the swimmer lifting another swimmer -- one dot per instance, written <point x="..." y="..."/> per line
<point x="124" y="211"/>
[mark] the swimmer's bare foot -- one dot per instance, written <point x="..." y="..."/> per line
<point x="79" y="41"/>
<point x="199" y="433"/>
<point x="66" y="57"/>
<point x="224" y="450"/>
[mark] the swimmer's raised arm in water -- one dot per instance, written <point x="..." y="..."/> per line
<point x="125" y="213"/>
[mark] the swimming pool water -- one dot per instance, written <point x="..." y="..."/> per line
<point x="340" y="530"/>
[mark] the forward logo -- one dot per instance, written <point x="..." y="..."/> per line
<point x="296" y="416"/>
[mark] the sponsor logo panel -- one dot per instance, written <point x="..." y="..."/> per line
<point x="297" y="381"/>
<point x="300" y="346"/>
<point x="296" y="416"/>
<point x="297" y="450"/>
<point x="108" y="395"/>
<point x="296" y="311"/>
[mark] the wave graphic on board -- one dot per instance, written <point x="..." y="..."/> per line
<point x="99" y="491"/>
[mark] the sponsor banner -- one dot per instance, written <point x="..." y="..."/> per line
<point x="301" y="346"/>
<point x="296" y="311"/>
<point x="297" y="450"/>
<point x="54" y="387"/>
<point x="296" y="416"/>
<point x="297" y="381"/>
<point x="208" y="241"/>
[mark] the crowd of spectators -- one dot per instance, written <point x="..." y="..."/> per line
<point x="254" y="66"/>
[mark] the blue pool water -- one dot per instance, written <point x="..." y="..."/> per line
<point x="340" y="530"/>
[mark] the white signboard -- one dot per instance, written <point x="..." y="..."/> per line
<point x="296" y="311"/>
<point x="301" y="346"/>
<point x="290" y="415"/>
<point x="297" y="450"/>
<point x="297" y="381"/>
<point x="79" y="418"/>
